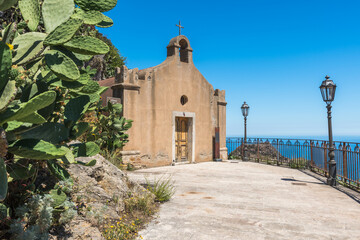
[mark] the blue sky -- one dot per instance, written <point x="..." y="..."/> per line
<point x="271" y="54"/>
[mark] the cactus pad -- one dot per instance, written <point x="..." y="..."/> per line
<point x="76" y="107"/>
<point x="58" y="196"/>
<point x="4" y="211"/>
<point x="89" y="17"/>
<point x="8" y="33"/>
<point x="3" y="143"/>
<point x="34" y="118"/>
<point x="105" y="23"/>
<point x="79" y="129"/>
<point x="3" y="180"/>
<point x="62" y="65"/>
<point x="50" y="132"/>
<point x="36" y="149"/>
<point x="27" y="46"/>
<point x="90" y="87"/>
<point x="25" y="109"/>
<point x="6" y="4"/>
<point x="21" y="170"/>
<point x="87" y="45"/>
<point x="88" y="164"/>
<point x="82" y="57"/>
<point x="5" y="64"/>
<point x="30" y="10"/>
<point x="59" y="172"/>
<point x="64" y="32"/>
<point x="85" y="149"/>
<point x="99" y="5"/>
<point x="56" y="12"/>
<point x="7" y="95"/>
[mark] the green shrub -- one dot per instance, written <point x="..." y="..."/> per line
<point x="109" y="127"/>
<point x="162" y="188"/>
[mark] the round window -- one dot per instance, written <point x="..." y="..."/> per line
<point x="183" y="100"/>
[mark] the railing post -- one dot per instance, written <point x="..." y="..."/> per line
<point x="258" y="150"/>
<point x="311" y="154"/>
<point x="277" y="149"/>
<point x="242" y="147"/>
<point x="345" y="162"/>
<point x="325" y="159"/>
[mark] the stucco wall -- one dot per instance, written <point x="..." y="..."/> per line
<point x="152" y="96"/>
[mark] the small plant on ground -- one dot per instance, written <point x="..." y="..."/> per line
<point x="122" y="229"/>
<point x="163" y="188"/>
<point x="298" y="163"/>
<point x="114" y="157"/>
<point x="143" y="203"/>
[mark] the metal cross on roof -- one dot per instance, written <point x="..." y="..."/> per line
<point x="180" y="27"/>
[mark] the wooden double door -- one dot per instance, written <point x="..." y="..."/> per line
<point x="182" y="139"/>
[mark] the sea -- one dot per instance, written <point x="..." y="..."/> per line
<point x="348" y="139"/>
<point x="291" y="151"/>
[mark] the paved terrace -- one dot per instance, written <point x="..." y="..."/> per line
<point x="248" y="200"/>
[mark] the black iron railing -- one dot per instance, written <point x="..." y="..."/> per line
<point x="301" y="153"/>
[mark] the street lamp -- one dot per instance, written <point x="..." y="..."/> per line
<point x="245" y="112"/>
<point x="327" y="89"/>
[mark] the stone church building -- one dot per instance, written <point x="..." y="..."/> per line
<point x="177" y="115"/>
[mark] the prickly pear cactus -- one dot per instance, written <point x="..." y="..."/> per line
<point x="105" y="23"/>
<point x="6" y="4"/>
<point x="87" y="45"/>
<point x="62" y="65"/>
<point x="3" y="180"/>
<point x="30" y="10"/>
<point x="36" y="149"/>
<point x="21" y="170"/>
<point x="58" y="196"/>
<point x="76" y="107"/>
<point x="27" y="46"/>
<point x="64" y="32"/>
<point x="7" y="95"/>
<point x="99" y="5"/>
<point x="85" y="149"/>
<point x="51" y="132"/>
<point x="58" y="171"/>
<point x="90" y="87"/>
<point x="45" y="90"/>
<point x="89" y="17"/>
<point x="3" y="143"/>
<point x="56" y="12"/>
<point x="26" y="109"/>
<point x="5" y="64"/>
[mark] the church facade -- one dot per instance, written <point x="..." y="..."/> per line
<point x="177" y="115"/>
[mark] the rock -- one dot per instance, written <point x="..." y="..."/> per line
<point x="98" y="192"/>
<point x="78" y="229"/>
<point x="266" y="151"/>
<point x="98" y="174"/>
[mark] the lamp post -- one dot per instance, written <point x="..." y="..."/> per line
<point x="245" y="112"/>
<point x="327" y="89"/>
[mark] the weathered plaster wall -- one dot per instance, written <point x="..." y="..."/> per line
<point x="151" y="96"/>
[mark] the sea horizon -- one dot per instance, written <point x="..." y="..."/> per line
<point x="340" y="138"/>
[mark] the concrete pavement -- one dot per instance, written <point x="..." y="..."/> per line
<point x="245" y="200"/>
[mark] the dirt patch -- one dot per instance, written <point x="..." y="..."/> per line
<point x="207" y="198"/>
<point x="194" y="192"/>
<point x="298" y="183"/>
